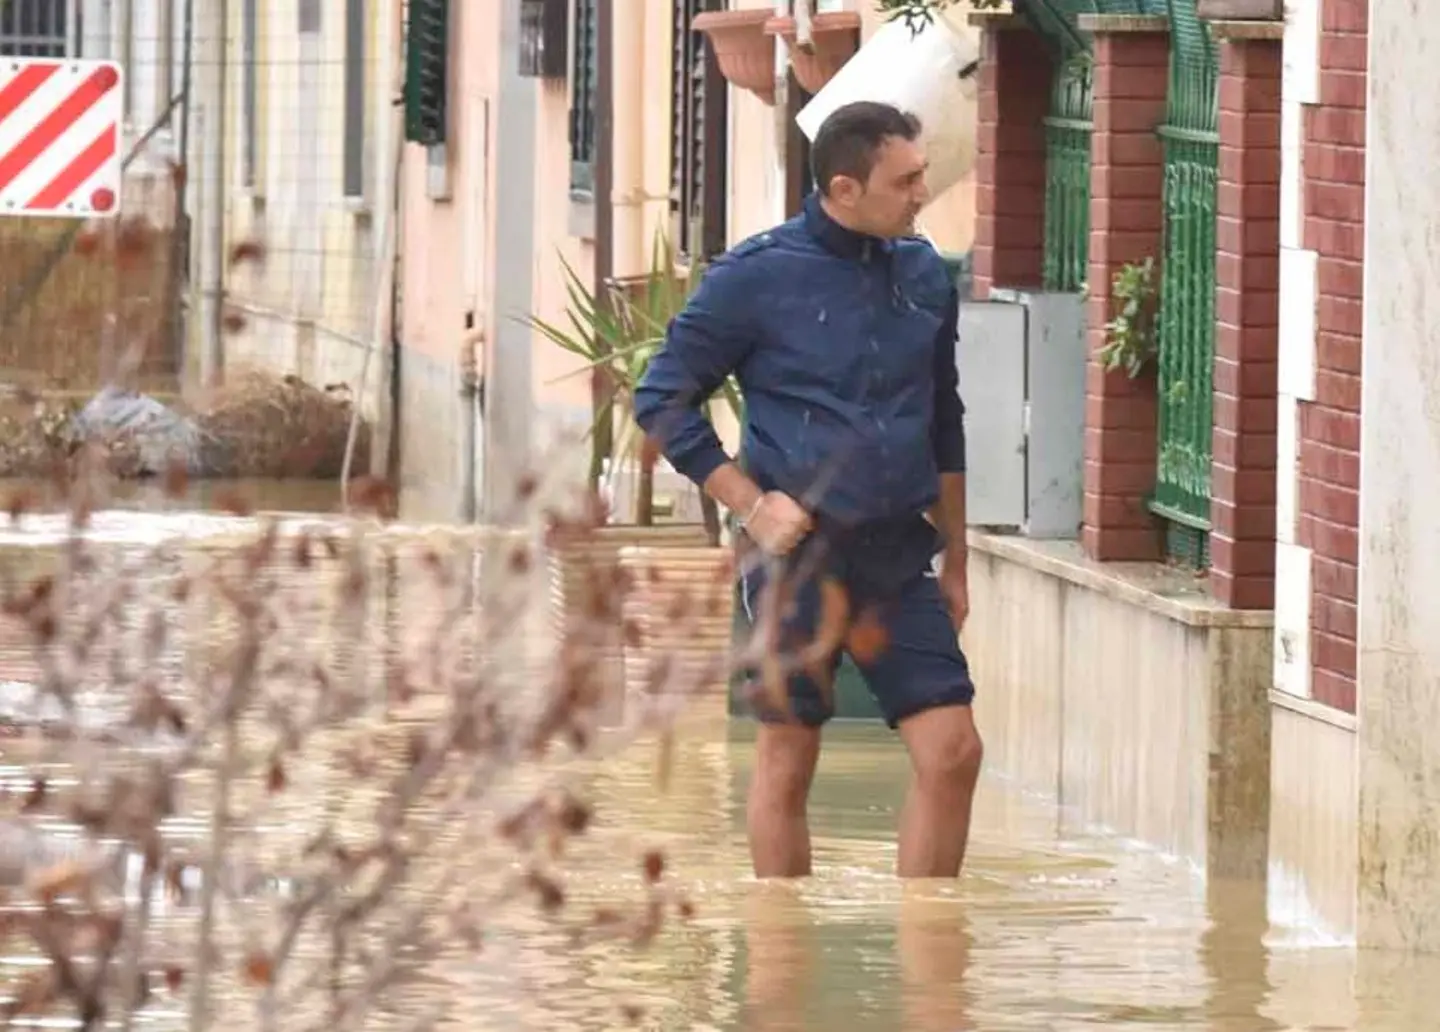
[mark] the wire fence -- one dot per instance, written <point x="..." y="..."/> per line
<point x="281" y="180"/>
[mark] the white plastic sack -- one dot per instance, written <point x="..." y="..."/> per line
<point x="919" y="74"/>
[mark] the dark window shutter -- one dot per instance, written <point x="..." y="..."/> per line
<point x="697" y="136"/>
<point x="427" y="70"/>
<point x="582" y="97"/>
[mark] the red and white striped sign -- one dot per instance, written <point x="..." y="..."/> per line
<point x="60" y="137"/>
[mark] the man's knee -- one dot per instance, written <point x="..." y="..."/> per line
<point x="785" y="757"/>
<point x="946" y="750"/>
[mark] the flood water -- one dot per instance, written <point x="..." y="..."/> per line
<point x="1045" y="930"/>
<point x="1049" y="928"/>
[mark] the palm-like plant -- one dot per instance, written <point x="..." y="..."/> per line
<point x="616" y="336"/>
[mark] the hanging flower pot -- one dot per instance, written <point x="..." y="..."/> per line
<point x="745" y="54"/>
<point x="834" y="37"/>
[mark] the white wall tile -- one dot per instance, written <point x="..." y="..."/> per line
<point x="1299" y="295"/>
<point x="1292" y="619"/>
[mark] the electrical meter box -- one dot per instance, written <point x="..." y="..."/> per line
<point x="1021" y="359"/>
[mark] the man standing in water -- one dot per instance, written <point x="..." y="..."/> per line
<point x="841" y="329"/>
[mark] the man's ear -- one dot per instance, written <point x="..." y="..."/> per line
<point x="844" y="190"/>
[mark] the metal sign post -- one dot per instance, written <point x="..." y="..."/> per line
<point x="60" y="124"/>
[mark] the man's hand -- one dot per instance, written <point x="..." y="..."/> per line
<point x="776" y="523"/>
<point x="955" y="585"/>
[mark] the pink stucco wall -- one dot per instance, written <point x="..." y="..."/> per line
<point x="439" y="290"/>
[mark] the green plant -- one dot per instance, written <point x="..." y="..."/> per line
<point x="615" y="337"/>
<point x="918" y="13"/>
<point x="1130" y="336"/>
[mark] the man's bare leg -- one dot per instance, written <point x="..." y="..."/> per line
<point x="785" y="756"/>
<point x="945" y="755"/>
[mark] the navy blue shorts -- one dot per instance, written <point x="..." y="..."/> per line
<point x="919" y="666"/>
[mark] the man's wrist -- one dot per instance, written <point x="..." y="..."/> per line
<point x="729" y="486"/>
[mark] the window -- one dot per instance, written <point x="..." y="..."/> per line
<point x="583" y="81"/>
<point x="36" y="28"/>
<point x="249" y="93"/>
<point x="356" y="24"/>
<point x="697" y="137"/>
<point x="427" y="70"/>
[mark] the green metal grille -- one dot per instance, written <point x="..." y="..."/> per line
<point x="1067" y="139"/>
<point x="1055" y="20"/>
<point x="427" y="73"/>
<point x="1067" y="175"/>
<point x="1187" y="285"/>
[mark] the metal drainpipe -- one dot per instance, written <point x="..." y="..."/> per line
<point x="604" y="179"/>
<point x="397" y="366"/>
<point x="472" y="409"/>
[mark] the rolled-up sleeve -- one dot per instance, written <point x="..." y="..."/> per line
<point x="948" y="429"/>
<point x="703" y="345"/>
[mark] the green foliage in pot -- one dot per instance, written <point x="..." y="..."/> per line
<point x="1130" y="341"/>
<point x="616" y="335"/>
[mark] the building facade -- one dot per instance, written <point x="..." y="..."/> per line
<point x="1250" y="160"/>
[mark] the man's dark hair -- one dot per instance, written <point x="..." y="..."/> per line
<point x="852" y="135"/>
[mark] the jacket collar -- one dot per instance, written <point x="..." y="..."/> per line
<point x="845" y="242"/>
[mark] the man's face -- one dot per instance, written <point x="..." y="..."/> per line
<point x="887" y="204"/>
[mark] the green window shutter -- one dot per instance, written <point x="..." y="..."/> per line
<point x="427" y="70"/>
<point x="584" y="79"/>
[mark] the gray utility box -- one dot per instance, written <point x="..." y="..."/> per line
<point x="1021" y="359"/>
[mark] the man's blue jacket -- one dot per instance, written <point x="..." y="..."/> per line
<point x="844" y="348"/>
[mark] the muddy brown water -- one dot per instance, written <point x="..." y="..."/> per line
<point x="1048" y="929"/>
<point x="1051" y="927"/>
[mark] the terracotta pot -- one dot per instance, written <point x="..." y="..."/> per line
<point x="834" y="37"/>
<point x="745" y="54"/>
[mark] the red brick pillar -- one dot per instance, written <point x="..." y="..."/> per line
<point x="1334" y="228"/>
<point x="1247" y="337"/>
<point x="1132" y="60"/>
<point x="1014" y="86"/>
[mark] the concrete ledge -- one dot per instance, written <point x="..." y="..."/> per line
<point x="1314" y="710"/>
<point x="996" y="20"/>
<point x="1111" y="23"/>
<point x="1172" y="593"/>
<point x="1239" y="31"/>
<point x="1129" y="695"/>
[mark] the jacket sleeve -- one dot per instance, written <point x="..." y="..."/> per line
<point x="703" y="345"/>
<point x="948" y="429"/>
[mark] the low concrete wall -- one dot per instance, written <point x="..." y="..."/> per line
<point x="1127" y="693"/>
